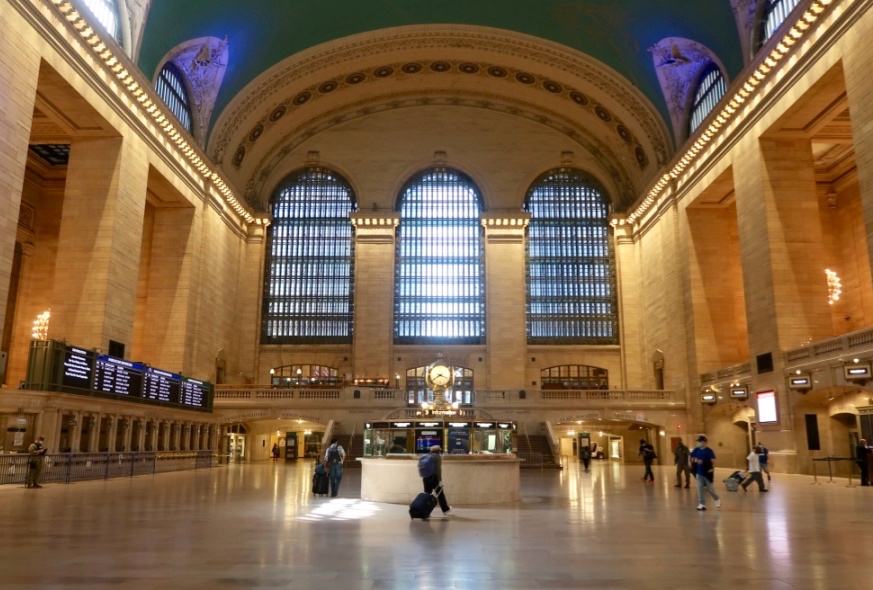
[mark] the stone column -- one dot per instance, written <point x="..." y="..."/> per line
<point x="99" y="245"/>
<point x="166" y="442"/>
<point x="783" y="262"/>
<point x="19" y="74"/>
<point x="505" y="298"/>
<point x="112" y="435"/>
<point x="249" y="285"/>
<point x="76" y="432"/>
<point x="94" y="424"/>
<point x="859" y="91"/>
<point x="374" y="292"/>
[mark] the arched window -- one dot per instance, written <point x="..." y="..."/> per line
<point x="106" y="13"/>
<point x="308" y="275"/>
<point x="574" y="377"/>
<point x="711" y="87"/>
<point x="775" y="13"/>
<point x="570" y="264"/>
<point x="171" y="88"/>
<point x="439" y="271"/>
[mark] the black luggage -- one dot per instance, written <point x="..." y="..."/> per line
<point x="320" y="484"/>
<point x="423" y="505"/>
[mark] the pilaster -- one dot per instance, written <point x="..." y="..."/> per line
<point x="506" y="297"/>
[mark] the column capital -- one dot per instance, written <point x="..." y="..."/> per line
<point x="504" y="226"/>
<point x="375" y="226"/>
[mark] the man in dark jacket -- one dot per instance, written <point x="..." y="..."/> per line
<point x="681" y="455"/>
<point x="861" y="456"/>
<point x="647" y="452"/>
<point x="435" y="480"/>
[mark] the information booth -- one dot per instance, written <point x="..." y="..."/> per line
<point x="456" y="437"/>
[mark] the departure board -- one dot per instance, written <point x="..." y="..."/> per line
<point x="78" y="368"/>
<point x="54" y="365"/>
<point x="193" y="393"/>
<point x="161" y="386"/>
<point x="118" y="376"/>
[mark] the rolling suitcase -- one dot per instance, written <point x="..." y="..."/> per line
<point x="320" y="481"/>
<point x="423" y="505"/>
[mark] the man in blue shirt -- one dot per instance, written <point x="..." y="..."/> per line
<point x="764" y="460"/>
<point x="703" y="467"/>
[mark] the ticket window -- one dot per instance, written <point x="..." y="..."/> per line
<point x="377" y="442"/>
<point x="427" y="438"/>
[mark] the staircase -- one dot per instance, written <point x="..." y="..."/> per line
<point x="538" y="443"/>
<point x="354" y="448"/>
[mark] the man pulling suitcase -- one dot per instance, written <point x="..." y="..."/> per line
<point x="431" y="473"/>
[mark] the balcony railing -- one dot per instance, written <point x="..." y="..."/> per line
<point x="228" y="396"/>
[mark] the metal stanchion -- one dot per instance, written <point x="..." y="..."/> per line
<point x="830" y="471"/>
<point x="814" y="473"/>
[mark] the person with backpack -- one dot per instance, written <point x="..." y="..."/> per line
<point x="647" y="452"/>
<point x="333" y="458"/>
<point x="430" y="469"/>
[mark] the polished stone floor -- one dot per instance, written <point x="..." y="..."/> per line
<point x="258" y="526"/>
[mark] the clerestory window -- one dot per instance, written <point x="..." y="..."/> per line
<point x="170" y="86"/>
<point x="710" y="89"/>
<point x="106" y="13"/>
<point x="439" y="268"/>
<point x="308" y="292"/>
<point x="571" y="297"/>
<point x="775" y="13"/>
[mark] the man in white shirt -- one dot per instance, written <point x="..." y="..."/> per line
<point x="754" y="472"/>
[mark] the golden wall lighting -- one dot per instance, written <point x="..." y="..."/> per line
<point x="41" y="325"/>
<point x="835" y="286"/>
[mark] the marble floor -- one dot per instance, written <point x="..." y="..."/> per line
<point x="257" y="526"/>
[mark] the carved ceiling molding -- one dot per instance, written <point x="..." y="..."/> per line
<point x="364" y="78"/>
<point x="678" y="63"/>
<point x="286" y="78"/>
<point x="257" y="196"/>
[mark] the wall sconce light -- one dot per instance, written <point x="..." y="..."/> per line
<point x="41" y="325"/>
<point x="708" y="396"/>
<point x="857" y="371"/>
<point x="739" y="391"/>
<point x="800" y="381"/>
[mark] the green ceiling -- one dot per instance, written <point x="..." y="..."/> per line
<point x="617" y="32"/>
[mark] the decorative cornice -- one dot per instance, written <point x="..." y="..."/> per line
<point x="727" y="119"/>
<point x="143" y="103"/>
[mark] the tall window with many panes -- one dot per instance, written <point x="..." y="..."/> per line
<point x="170" y="86"/>
<point x="439" y="269"/>
<point x="774" y="14"/>
<point x="106" y="13"/>
<point x="571" y="297"/>
<point x="711" y="87"/>
<point x="308" y="293"/>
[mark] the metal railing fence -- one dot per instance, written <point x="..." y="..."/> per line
<point x="69" y="467"/>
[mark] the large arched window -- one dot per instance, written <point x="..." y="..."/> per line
<point x="570" y="264"/>
<point x="106" y="13"/>
<point x="171" y="87"/>
<point x="711" y="87"/>
<point x="439" y="271"/>
<point x="308" y="275"/>
<point x="775" y="13"/>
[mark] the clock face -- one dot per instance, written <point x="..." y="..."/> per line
<point x="440" y="375"/>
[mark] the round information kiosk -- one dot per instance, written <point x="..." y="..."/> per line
<point x="478" y="467"/>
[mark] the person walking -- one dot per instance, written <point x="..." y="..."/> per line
<point x="334" y="457"/>
<point x="703" y="462"/>
<point x="647" y="452"/>
<point x="586" y="456"/>
<point x="435" y="480"/>
<point x="764" y="460"/>
<point x="754" y="472"/>
<point x="681" y="458"/>
<point x="37" y="452"/>
<point x="862" y="455"/>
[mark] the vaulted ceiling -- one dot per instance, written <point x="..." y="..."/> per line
<point x="616" y="33"/>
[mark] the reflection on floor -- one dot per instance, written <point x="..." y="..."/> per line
<point x="258" y="526"/>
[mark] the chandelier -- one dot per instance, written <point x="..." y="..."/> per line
<point x="835" y="286"/>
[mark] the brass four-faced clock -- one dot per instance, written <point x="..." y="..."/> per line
<point x="439" y="376"/>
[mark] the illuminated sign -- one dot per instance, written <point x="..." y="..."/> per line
<point x="767" y="407"/>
